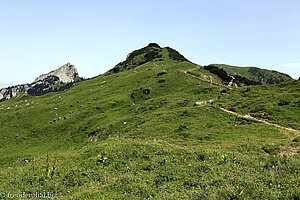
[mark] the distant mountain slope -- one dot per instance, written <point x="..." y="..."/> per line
<point x="57" y="80"/>
<point x="254" y="74"/>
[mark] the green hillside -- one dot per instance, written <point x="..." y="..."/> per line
<point x="136" y="132"/>
<point x="279" y="103"/>
<point x="260" y="76"/>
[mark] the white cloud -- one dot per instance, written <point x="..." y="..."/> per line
<point x="292" y="64"/>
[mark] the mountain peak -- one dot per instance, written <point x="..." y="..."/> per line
<point x="66" y="73"/>
<point x="59" y="79"/>
<point x="154" y="45"/>
<point x="150" y="53"/>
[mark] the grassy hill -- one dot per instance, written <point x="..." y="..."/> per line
<point x="136" y="133"/>
<point x="260" y="76"/>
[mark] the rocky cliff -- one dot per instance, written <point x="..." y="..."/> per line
<point x="10" y="92"/>
<point x="66" y="74"/>
<point x="57" y="80"/>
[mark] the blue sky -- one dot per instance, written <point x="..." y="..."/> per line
<point x="94" y="35"/>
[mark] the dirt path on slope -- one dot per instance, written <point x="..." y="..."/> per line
<point x="203" y="79"/>
<point x="206" y="102"/>
<point x="247" y="116"/>
<point x="285" y="149"/>
<point x="231" y="112"/>
<point x="260" y="120"/>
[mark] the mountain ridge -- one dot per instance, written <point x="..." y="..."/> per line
<point x="66" y="74"/>
<point x="59" y="79"/>
<point x="254" y="74"/>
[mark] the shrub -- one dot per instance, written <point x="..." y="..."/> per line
<point x="271" y="149"/>
<point x="219" y="72"/>
<point x="297" y="139"/>
<point x="141" y="94"/>
<point x="175" y="55"/>
<point x="283" y="102"/>
<point x="161" y="73"/>
<point x="138" y="57"/>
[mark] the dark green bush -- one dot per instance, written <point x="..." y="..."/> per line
<point x="175" y="55"/>
<point x="283" y="102"/>
<point x="297" y="139"/>
<point x="271" y="149"/>
<point x="219" y="72"/>
<point x="161" y="73"/>
<point x="152" y="51"/>
<point x="50" y="84"/>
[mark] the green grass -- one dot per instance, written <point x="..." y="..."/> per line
<point x="130" y="135"/>
<point x="256" y="74"/>
<point x="278" y="103"/>
<point x="141" y="169"/>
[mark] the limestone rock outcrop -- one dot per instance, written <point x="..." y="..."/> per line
<point x="66" y="74"/>
<point x="57" y="80"/>
<point x="10" y="92"/>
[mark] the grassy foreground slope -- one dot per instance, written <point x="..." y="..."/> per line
<point x="135" y="133"/>
<point x="279" y="103"/>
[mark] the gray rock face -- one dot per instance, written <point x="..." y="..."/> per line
<point x="64" y="76"/>
<point x="10" y="92"/>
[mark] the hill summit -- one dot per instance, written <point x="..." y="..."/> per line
<point x="150" y="53"/>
